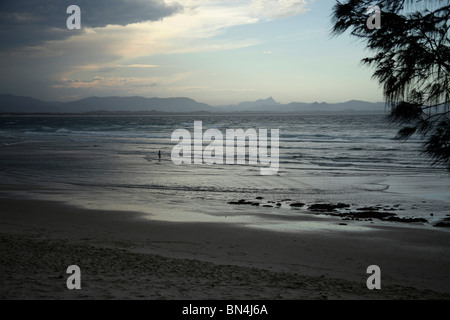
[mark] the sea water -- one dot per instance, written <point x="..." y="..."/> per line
<point x="111" y="162"/>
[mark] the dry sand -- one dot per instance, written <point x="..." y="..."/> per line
<point x="123" y="255"/>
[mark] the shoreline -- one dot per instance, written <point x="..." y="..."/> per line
<point x="236" y="262"/>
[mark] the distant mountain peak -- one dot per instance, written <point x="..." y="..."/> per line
<point x="17" y="104"/>
<point x="259" y="103"/>
<point x="270" y="99"/>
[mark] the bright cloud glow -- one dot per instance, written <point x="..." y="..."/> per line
<point x="192" y="30"/>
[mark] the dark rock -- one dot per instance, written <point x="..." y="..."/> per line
<point x="267" y="206"/>
<point x="443" y="224"/>
<point x="342" y="224"/>
<point x="321" y="207"/>
<point x="376" y="208"/>
<point x="278" y="204"/>
<point x="297" y="204"/>
<point x="241" y="202"/>
<point x="363" y="213"/>
<point x="255" y="204"/>
<point x="327" y="207"/>
<point x="259" y="198"/>
<point x="371" y="214"/>
<point x="406" y="219"/>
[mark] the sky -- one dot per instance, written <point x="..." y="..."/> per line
<point x="214" y="51"/>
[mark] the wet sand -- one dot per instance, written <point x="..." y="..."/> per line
<point x="125" y="255"/>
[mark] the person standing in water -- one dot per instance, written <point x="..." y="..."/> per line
<point x="159" y="155"/>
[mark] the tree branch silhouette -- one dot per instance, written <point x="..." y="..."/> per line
<point x="411" y="62"/>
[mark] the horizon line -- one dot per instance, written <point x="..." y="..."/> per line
<point x="185" y="97"/>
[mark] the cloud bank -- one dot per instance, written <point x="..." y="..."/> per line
<point x="30" y="22"/>
<point x="114" y="50"/>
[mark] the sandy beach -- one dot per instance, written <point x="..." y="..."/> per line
<point x="124" y="255"/>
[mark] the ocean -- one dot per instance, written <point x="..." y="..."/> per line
<point x="111" y="162"/>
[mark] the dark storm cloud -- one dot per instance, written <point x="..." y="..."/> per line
<point x="30" y="22"/>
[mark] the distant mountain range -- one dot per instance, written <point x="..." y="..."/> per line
<point x="17" y="104"/>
